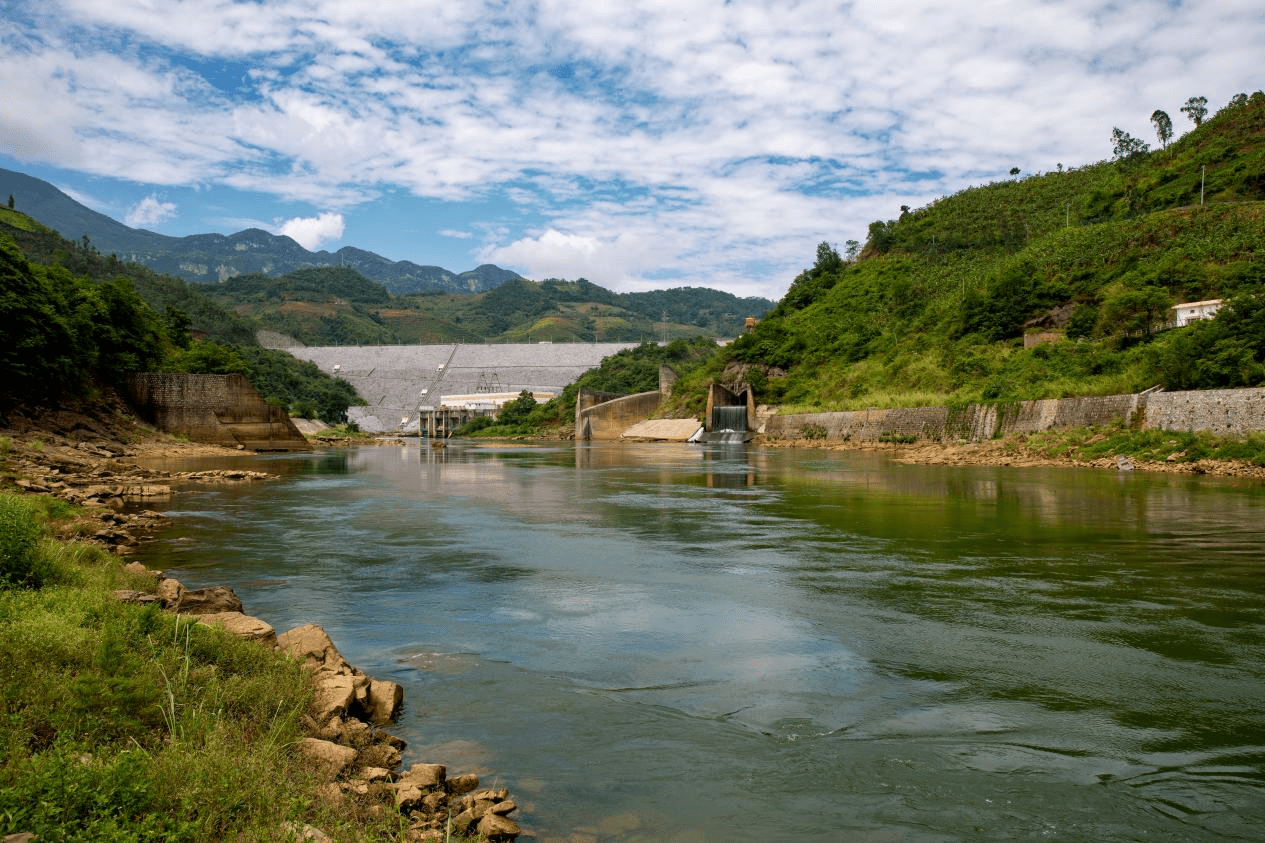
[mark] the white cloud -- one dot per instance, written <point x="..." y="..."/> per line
<point x="313" y="232"/>
<point x="459" y="235"/>
<point x="149" y="211"/>
<point x="711" y="143"/>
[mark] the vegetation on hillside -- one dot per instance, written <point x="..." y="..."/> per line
<point x="935" y="307"/>
<point x="335" y="306"/>
<point x="75" y="318"/>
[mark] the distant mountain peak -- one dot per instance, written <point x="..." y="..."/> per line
<point x="210" y="258"/>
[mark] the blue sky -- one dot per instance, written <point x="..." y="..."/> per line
<point x="641" y="145"/>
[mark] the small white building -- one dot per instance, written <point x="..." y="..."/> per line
<point x="455" y="410"/>
<point x="1187" y="312"/>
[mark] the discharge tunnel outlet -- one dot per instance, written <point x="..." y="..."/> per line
<point x="729" y="415"/>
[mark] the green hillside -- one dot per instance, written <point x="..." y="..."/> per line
<point x="337" y="306"/>
<point x="934" y="308"/>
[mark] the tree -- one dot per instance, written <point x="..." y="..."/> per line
<point x="1163" y="126"/>
<point x="1125" y="146"/>
<point x="1014" y="171"/>
<point x="1196" y="108"/>
<point x="1135" y="309"/>
<point x="516" y="411"/>
<point x="851" y="249"/>
<point x="11" y="200"/>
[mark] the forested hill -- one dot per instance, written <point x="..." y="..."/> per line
<point x="216" y="257"/>
<point x="935" y="306"/>
<point x="338" y="306"/>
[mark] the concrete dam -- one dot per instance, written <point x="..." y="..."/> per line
<point x="405" y="383"/>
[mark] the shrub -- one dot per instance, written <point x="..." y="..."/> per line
<point x="20" y="564"/>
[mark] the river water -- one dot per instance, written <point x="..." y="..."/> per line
<point x="728" y="643"/>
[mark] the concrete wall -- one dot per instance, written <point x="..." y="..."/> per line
<point x="216" y="409"/>
<point x="391" y="378"/>
<point x="1229" y="412"/>
<point x="608" y="419"/>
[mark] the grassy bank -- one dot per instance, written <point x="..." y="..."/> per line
<point x="122" y="722"/>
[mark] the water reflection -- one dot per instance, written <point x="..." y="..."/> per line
<point x="825" y="645"/>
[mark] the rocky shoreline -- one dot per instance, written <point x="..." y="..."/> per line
<point x="344" y="735"/>
<point x="91" y="459"/>
<point x="1012" y="452"/>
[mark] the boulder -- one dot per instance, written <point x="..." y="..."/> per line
<point x="243" y="626"/>
<point x="209" y="601"/>
<point x="202" y="601"/>
<point x="498" y="827"/>
<point x="312" y="645"/>
<point x="332" y="693"/>
<point x="330" y="757"/>
<point x="380" y="755"/>
<point x="425" y="776"/>
<point x="465" y="783"/>
<point x="383" y="701"/>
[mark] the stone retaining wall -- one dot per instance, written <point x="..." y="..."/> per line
<point x="1225" y="412"/>
<point x="216" y="409"/>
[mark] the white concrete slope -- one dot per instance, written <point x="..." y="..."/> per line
<point x="397" y="379"/>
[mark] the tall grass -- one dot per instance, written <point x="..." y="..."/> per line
<point x="121" y="722"/>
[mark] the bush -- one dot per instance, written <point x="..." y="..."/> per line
<point x="20" y="563"/>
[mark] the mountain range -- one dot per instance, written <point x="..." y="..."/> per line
<point x="210" y="258"/>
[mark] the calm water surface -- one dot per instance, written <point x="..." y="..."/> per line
<point x="678" y="643"/>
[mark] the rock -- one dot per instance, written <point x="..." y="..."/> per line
<point x="243" y="626"/>
<point x="498" y="827"/>
<point x="380" y="755"/>
<point x="170" y="592"/>
<point x="408" y="796"/>
<point x="332" y="694"/>
<point x="330" y="757"/>
<point x="209" y="601"/>
<point x="505" y="808"/>
<point x="465" y="783"/>
<point x="307" y="832"/>
<point x="1123" y="463"/>
<point x="311" y="645"/>
<point x="357" y="733"/>
<point x="426" y="775"/>
<point x="202" y="601"/>
<point x="138" y="568"/>
<point x="384" y="699"/>
<point x="375" y="774"/>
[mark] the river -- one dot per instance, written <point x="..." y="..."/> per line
<point x="707" y="644"/>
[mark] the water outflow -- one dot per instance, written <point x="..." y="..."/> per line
<point x="729" y="424"/>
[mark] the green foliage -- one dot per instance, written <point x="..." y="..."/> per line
<point x="1196" y="108"/>
<point x="934" y="308"/>
<point x="1125" y="147"/>
<point x="62" y="330"/>
<point x="517" y="411"/>
<point x="21" y="565"/>
<point x="1225" y="352"/>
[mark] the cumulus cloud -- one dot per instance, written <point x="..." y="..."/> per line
<point x="149" y="211"/>
<point x="705" y="142"/>
<point x="313" y="232"/>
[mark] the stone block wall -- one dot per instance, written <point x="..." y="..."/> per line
<point x="1225" y="412"/>
<point x="216" y="409"/>
<point x="1230" y="412"/>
